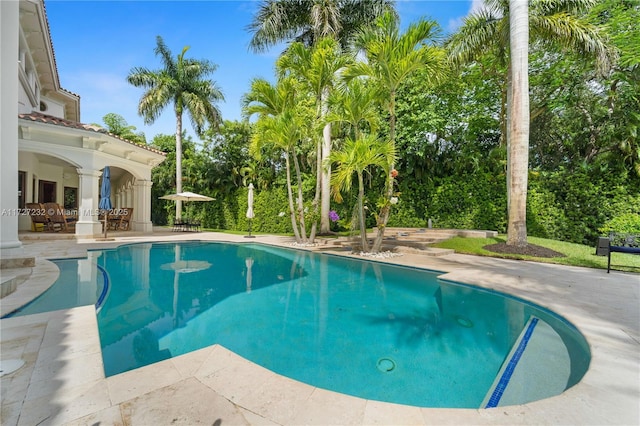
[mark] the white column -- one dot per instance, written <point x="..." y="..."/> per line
<point x="88" y="225"/>
<point x="9" y="19"/>
<point x="130" y="190"/>
<point x="142" y="206"/>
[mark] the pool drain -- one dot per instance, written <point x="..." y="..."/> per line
<point x="386" y="365"/>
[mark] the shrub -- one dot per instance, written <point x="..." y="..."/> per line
<point x="626" y="223"/>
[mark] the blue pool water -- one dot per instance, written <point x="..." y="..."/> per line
<point x="81" y="282"/>
<point x="359" y="327"/>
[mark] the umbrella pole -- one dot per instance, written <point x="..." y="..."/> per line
<point x="249" y="236"/>
<point x="105" y="224"/>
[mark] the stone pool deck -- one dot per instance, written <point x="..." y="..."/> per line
<point x="62" y="381"/>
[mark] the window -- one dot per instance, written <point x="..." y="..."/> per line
<point x="22" y="187"/>
<point x="70" y="198"/>
<point x="47" y="192"/>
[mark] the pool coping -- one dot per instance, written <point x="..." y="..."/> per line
<point x="63" y="381"/>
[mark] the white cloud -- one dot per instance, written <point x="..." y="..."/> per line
<point x="455" y="23"/>
<point x="476" y="6"/>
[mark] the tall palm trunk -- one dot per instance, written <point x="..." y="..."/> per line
<point x="325" y="206"/>
<point x="178" y="160"/>
<point x="303" y="230"/>
<point x="518" y="136"/>
<point x="292" y="210"/>
<point x="383" y="218"/>
<point x="325" y="197"/>
<point x="363" y="228"/>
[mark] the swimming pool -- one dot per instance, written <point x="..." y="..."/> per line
<point x="359" y="327"/>
<point x="81" y="282"/>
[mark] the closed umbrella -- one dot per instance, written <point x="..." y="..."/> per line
<point x="105" y="196"/>
<point x="250" y="214"/>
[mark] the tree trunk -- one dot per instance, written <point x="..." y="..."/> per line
<point x="292" y="211"/>
<point x="178" y="161"/>
<point x="518" y="150"/>
<point x="507" y="129"/>
<point x="303" y="230"/>
<point x="325" y="198"/>
<point x="385" y="211"/>
<point x="363" y="227"/>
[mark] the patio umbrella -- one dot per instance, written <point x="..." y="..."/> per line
<point x="186" y="196"/>
<point x="105" y="196"/>
<point x="250" y="214"/>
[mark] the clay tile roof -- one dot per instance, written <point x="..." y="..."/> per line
<point x="49" y="119"/>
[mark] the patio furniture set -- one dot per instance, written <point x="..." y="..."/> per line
<point x="186" y="226"/>
<point x="53" y="217"/>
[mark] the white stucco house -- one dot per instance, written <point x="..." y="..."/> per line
<point x="46" y="153"/>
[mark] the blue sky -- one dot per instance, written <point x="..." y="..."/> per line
<point x="97" y="43"/>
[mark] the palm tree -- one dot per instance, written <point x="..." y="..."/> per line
<point x="284" y="131"/>
<point x="182" y="81"/>
<point x="279" y="125"/>
<point x="355" y="157"/>
<point x="316" y="68"/>
<point x="117" y="125"/>
<point x="549" y="22"/>
<point x="519" y="123"/>
<point x="308" y="22"/>
<point x="356" y="104"/>
<point x="391" y="58"/>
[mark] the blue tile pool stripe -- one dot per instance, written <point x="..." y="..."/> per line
<point x="513" y="362"/>
<point x="105" y="288"/>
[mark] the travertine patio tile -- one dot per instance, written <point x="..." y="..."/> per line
<point x="188" y="364"/>
<point x="238" y="378"/>
<point x="15" y="386"/>
<point x="66" y="404"/>
<point x="382" y="413"/>
<point x="191" y="403"/>
<point x="21" y="332"/>
<point x="132" y="384"/>
<point x="50" y="377"/>
<point x="13" y="349"/>
<point x="449" y="416"/>
<point x="109" y="416"/>
<point x="69" y="349"/>
<point x="278" y="398"/>
<point x="10" y="413"/>
<point x="256" y="419"/>
<point x="324" y="407"/>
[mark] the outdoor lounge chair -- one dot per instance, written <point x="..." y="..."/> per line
<point x="113" y="220"/>
<point x="122" y="221"/>
<point x="39" y="218"/>
<point x="58" y="218"/>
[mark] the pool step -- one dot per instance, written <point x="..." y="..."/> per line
<point x="537" y="367"/>
<point x="8" y="284"/>
<point x="10" y="279"/>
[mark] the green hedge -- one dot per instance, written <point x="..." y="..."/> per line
<point x="574" y="207"/>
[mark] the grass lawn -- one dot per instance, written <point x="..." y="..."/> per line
<point x="575" y="254"/>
